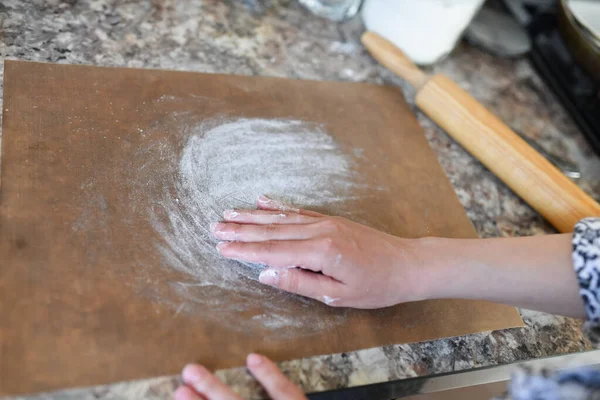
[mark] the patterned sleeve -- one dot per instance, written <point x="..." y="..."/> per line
<point x="581" y="383"/>
<point x="586" y="261"/>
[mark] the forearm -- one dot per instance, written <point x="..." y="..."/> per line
<point x="529" y="272"/>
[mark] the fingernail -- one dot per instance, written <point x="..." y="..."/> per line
<point x="221" y="246"/>
<point x="276" y="204"/>
<point x="254" y="360"/>
<point x="265" y="200"/>
<point x="269" y="277"/>
<point x="214" y="226"/>
<point x="230" y="214"/>
<point x="193" y="373"/>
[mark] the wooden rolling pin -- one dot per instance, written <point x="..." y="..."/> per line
<point x="488" y="139"/>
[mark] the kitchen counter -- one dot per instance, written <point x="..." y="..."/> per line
<point x="279" y="38"/>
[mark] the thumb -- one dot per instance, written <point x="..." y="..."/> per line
<point x="305" y="283"/>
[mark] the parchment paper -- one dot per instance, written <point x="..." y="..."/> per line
<point x="85" y="294"/>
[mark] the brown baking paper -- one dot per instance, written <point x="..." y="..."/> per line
<point x="89" y="155"/>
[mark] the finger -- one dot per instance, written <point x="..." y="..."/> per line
<point x="313" y="254"/>
<point x="277" y="385"/>
<point x="305" y="283"/>
<point x="266" y="203"/>
<point x="187" y="393"/>
<point x="207" y="384"/>
<point x="261" y="233"/>
<point x="267" y="217"/>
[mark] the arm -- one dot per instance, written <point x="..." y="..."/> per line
<point x="531" y="272"/>
<point x="363" y="268"/>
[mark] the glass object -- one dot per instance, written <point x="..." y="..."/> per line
<point x="335" y="10"/>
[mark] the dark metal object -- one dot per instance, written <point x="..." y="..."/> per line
<point x="579" y="40"/>
<point x="576" y="89"/>
<point x="566" y="167"/>
<point x="439" y="386"/>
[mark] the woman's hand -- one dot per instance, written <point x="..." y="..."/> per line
<point x="200" y="384"/>
<point x="331" y="259"/>
<point x="342" y="263"/>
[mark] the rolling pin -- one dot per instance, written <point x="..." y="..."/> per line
<point x="502" y="151"/>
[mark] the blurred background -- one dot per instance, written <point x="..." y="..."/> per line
<point x="561" y="38"/>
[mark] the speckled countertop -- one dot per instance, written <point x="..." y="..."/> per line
<point x="279" y="38"/>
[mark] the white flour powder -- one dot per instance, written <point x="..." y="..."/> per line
<point x="226" y="165"/>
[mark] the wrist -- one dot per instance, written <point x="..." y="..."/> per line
<point x="436" y="267"/>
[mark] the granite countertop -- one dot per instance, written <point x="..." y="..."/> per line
<point x="279" y="38"/>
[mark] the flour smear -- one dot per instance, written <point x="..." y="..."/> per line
<point x="227" y="164"/>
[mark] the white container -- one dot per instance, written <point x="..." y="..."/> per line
<point x="426" y="30"/>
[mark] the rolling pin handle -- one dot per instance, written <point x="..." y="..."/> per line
<point x="492" y="142"/>
<point x="394" y="59"/>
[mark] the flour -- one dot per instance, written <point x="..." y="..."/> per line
<point x="330" y="300"/>
<point x="228" y="165"/>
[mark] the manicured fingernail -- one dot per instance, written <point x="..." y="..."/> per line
<point x="269" y="277"/>
<point x="193" y="373"/>
<point x="254" y="360"/>
<point x="214" y="226"/>
<point x="221" y="246"/>
<point x="264" y="199"/>
<point x="230" y="214"/>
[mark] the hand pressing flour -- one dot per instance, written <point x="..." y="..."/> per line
<point x="345" y="264"/>
<point x="331" y="259"/>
